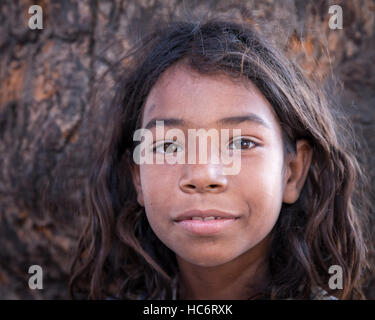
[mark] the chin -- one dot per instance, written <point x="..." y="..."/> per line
<point x="204" y="261"/>
<point x="210" y="264"/>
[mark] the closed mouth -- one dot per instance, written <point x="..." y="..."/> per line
<point x="206" y="218"/>
<point x="207" y="226"/>
<point x="205" y="215"/>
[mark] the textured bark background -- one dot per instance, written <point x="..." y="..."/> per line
<point x="49" y="130"/>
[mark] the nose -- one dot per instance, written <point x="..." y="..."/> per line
<point x="201" y="178"/>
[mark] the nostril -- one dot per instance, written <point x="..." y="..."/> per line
<point x="192" y="187"/>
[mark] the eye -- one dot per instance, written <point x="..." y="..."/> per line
<point x="243" y="143"/>
<point x="167" y="147"/>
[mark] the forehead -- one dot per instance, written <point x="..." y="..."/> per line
<point x="202" y="100"/>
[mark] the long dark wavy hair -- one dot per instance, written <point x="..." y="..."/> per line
<point x="118" y="253"/>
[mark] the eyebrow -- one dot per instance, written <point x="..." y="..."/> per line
<point x="235" y="120"/>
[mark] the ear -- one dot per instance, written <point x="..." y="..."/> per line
<point x="297" y="168"/>
<point x="137" y="184"/>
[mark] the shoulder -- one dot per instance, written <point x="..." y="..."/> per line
<point x="319" y="294"/>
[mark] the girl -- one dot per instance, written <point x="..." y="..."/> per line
<point x="275" y="230"/>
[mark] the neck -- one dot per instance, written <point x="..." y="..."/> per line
<point x="238" y="279"/>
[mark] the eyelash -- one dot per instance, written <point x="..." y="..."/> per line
<point x="161" y="144"/>
<point x="255" y="144"/>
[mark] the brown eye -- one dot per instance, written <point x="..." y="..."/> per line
<point x="242" y="143"/>
<point x="167" y="147"/>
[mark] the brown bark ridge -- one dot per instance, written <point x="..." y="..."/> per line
<point x="49" y="129"/>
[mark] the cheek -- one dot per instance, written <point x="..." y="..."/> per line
<point x="158" y="184"/>
<point x="261" y="185"/>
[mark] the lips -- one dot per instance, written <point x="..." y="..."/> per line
<point x="205" y="215"/>
<point x="206" y="223"/>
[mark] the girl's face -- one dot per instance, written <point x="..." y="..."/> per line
<point x="254" y="195"/>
